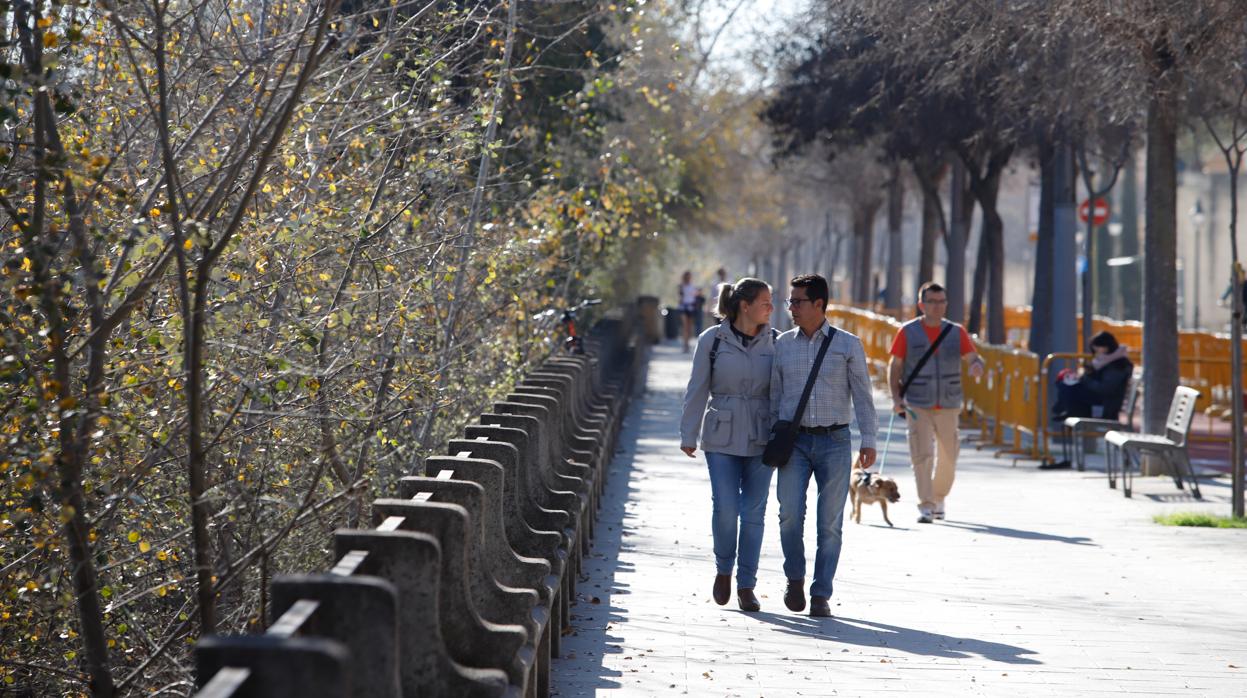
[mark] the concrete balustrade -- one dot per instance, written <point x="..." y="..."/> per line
<point x="464" y="585"/>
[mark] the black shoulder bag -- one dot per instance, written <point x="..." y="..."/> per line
<point x="925" y="358"/>
<point x="784" y="433"/>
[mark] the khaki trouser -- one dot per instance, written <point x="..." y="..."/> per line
<point x="933" y="431"/>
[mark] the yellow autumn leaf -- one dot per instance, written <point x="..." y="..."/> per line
<point x="144" y="546"/>
<point x="133" y="537"/>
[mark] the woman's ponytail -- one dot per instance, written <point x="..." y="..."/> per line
<point x="726" y="310"/>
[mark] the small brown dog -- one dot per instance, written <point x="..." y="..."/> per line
<point x="866" y="487"/>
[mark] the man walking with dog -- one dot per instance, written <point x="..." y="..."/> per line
<point x="924" y="376"/>
<point x="822" y="448"/>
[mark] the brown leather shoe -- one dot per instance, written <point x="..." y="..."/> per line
<point x="794" y="597"/>
<point x="722" y="588"/>
<point x="819" y="608"/>
<point x="748" y="602"/>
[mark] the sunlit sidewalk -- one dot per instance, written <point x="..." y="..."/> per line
<point x="1039" y="583"/>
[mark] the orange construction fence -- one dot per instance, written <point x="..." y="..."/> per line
<point x="1010" y="400"/>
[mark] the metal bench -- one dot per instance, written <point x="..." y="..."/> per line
<point x="1077" y="429"/>
<point x="1171" y="446"/>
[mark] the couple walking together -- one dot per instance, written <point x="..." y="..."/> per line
<point x="745" y="378"/>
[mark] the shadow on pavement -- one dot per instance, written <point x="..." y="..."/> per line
<point x="867" y="633"/>
<point x="581" y="670"/>
<point x="1020" y="534"/>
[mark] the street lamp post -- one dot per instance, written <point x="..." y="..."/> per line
<point x="1198" y="218"/>
<point x="1114" y="232"/>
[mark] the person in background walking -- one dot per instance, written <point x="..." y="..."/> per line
<point x="823" y="447"/>
<point x="687" y="293"/>
<point x="721" y="276"/>
<point x="727" y="406"/>
<point x="933" y="396"/>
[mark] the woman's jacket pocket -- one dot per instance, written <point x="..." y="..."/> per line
<point x="761" y="427"/>
<point x="716" y="429"/>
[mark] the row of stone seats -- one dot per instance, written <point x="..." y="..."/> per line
<point x="465" y="583"/>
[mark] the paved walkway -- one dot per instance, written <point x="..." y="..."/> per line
<point x="1039" y="583"/>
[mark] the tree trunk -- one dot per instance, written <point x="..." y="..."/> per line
<point x="982" y="262"/>
<point x="928" y="172"/>
<point x="75" y="425"/>
<point x="994" y="230"/>
<point x="1131" y="289"/>
<point x="1103" y="272"/>
<point x="837" y="240"/>
<point x="1236" y="352"/>
<point x="1064" y="253"/>
<point x="1040" y="340"/>
<point x="1160" y="279"/>
<point x="958" y="232"/>
<point x="896" y="244"/>
<point x="986" y="187"/>
<point x="864" y="213"/>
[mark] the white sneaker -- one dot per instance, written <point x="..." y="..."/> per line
<point x="924" y="515"/>
<point x="938" y="514"/>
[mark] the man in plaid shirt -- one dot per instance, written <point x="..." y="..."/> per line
<point x="823" y="448"/>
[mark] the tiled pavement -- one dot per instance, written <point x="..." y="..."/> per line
<point x="1039" y="583"/>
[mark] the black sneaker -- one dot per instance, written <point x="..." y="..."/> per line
<point x="794" y="597"/>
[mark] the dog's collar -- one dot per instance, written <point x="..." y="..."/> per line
<point x="865" y="477"/>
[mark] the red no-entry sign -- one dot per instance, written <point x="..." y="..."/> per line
<point x="1101" y="211"/>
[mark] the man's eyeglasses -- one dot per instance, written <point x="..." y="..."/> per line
<point x="797" y="301"/>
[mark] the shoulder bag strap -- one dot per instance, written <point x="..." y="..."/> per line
<point x="809" y="383"/>
<point x="926" y="357"/>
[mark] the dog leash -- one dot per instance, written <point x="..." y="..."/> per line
<point x="887" y="443"/>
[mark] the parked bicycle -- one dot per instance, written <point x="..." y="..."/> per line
<point x="572" y="344"/>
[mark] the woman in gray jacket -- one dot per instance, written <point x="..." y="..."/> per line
<point x="732" y="372"/>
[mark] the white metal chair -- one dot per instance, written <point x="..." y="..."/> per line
<point x="1129" y="446"/>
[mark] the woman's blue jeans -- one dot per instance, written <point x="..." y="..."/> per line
<point x="739" y="487"/>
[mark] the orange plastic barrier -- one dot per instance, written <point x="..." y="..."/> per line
<point x="1010" y="400"/>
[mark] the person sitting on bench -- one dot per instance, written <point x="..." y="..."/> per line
<point x="1102" y="384"/>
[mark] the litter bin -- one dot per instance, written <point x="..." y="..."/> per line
<point x="647" y="312"/>
<point x="671" y="322"/>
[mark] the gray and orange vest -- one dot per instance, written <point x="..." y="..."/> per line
<point x="939" y="382"/>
